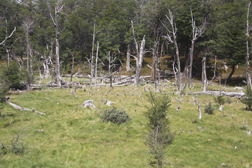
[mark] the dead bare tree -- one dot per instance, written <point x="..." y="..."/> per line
<point x="172" y="38"/>
<point x="27" y="26"/>
<point x="196" y="32"/>
<point x="72" y="70"/>
<point x="204" y="76"/>
<point x="140" y="53"/>
<point x="96" y="61"/>
<point x="58" y="8"/>
<point x="3" y="43"/>
<point x="247" y="45"/>
<point x="154" y="66"/>
<point x="214" y="75"/>
<point x="128" y="58"/>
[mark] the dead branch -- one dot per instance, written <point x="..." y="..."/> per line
<point x="23" y="109"/>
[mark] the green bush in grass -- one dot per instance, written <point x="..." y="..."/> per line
<point x="115" y="116"/>
<point x="209" y="109"/>
<point x="247" y="99"/>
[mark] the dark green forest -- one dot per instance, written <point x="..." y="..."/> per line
<point x="31" y="30"/>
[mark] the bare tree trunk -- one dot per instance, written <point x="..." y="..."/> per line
<point x="190" y="65"/>
<point x="72" y="71"/>
<point x="58" y="9"/>
<point x="172" y="38"/>
<point x="231" y="74"/>
<point x="204" y="76"/>
<point x="8" y="55"/>
<point x="4" y="42"/>
<point x="140" y="61"/>
<point x="92" y="59"/>
<point x="247" y="57"/>
<point x="197" y="32"/>
<point x="178" y="63"/>
<point x="27" y="56"/>
<point x="139" y="58"/>
<point x="214" y="76"/>
<point x="27" y="24"/>
<point x="128" y="58"/>
<point x="96" y="61"/>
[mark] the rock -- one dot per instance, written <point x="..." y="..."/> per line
<point x="109" y="103"/>
<point x="89" y="103"/>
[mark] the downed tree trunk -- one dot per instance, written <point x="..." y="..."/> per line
<point x="24" y="109"/>
<point x="216" y="93"/>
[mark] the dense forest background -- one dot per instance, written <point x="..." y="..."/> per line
<point x="80" y="24"/>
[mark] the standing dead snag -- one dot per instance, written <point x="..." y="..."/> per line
<point x="204" y="76"/>
<point x="58" y="9"/>
<point x="247" y="57"/>
<point x="128" y="58"/>
<point x="197" y="32"/>
<point x="92" y="59"/>
<point x="172" y="38"/>
<point x="27" y="25"/>
<point x="139" y="58"/>
<point x="3" y="43"/>
<point x="96" y="60"/>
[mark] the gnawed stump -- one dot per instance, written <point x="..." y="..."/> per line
<point x="89" y="103"/>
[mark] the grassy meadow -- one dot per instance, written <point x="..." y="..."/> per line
<point x="72" y="136"/>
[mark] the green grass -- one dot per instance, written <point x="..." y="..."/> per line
<point x="76" y="137"/>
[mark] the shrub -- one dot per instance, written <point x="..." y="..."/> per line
<point x="16" y="146"/>
<point x="228" y="100"/>
<point x="209" y="109"/>
<point x="13" y="76"/>
<point x="220" y="100"/>
<point x="4" y="84"/>
<point x="195" y="120"/>
<point x="115" y="116"/>
<point x="183" y="92"/>
<point x="247" y="99"/>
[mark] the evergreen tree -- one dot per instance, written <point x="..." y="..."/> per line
<point x="159" y="136"/>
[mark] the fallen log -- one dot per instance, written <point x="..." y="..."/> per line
<point x="216" y="93"/>
<point x="24" y="109"/>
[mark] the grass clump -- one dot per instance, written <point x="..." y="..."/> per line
<point x="115" y="116"/>
<point x="209" y="109"/>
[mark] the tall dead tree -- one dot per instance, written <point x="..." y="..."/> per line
<point x="92" y="59"/>
<point x="247" y="45"/>
<point x="128" y="58"/>
<point x="154" y="66"/>
<point x="27" y="25"/>
<point x="72" y="70"/>
<point x="58" y="9"/>
<point x="172" y="38"/>
<point x="3" y="43"/>
<point x="140" y="53"/>
<point x="204" y="76"/>
<point x="96" y="61"/>
<point x="196" y="32"/>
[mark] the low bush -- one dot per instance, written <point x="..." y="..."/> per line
<point x="16" y="146"/>
<point x="220" y="100"/>
<point x="247" y="99"/>
<point x="115" y="116"/>
<point x="228" y="100"/>
<point x="209" y="109"/>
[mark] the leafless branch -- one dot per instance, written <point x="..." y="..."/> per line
<point x="8" y="36"/>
